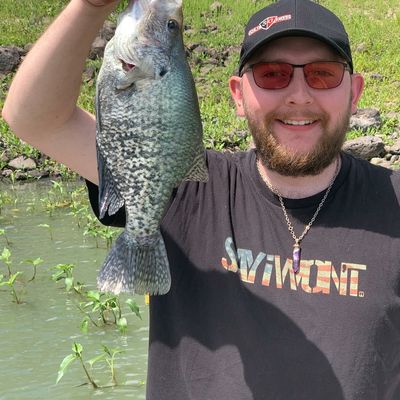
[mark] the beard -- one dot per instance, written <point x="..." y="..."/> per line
<point x="288" y="162"/>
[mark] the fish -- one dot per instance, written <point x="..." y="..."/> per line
<point x="149" y="139"/>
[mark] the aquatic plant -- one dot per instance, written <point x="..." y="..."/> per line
<point x="34" y="262"/>
<point x="3" y="232"/>
<point x="76" y="354"/>
<point x="5" y="258"/>
<point x="108" y="356"/>
<point x="64" y="272"/>
<point x="95" y="230"/>
<point x="105" y="309"/>
<point x="11" y="284"/>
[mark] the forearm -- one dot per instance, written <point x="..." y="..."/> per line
<point x="43" y="94"/>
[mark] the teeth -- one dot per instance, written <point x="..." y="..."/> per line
<point x="306" y="122"/>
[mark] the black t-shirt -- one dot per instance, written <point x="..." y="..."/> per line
<point x="238" y="324"/>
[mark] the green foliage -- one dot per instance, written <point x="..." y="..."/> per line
<point x="11" y="282"/>
<point x="5" y="258"/>
<point x="34" y="262"/>
<point x="105" y="309"/>
<point x="64" y="272"/>
<point x="77" y="350"/>
<point x="96" y="230"/>
<point x="108" y="356"/>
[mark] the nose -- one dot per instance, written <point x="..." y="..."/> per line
<point x="299" y="93"/>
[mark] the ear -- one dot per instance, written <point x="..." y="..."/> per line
<point x="357" y="86"/>
<point x="236" y="92"/>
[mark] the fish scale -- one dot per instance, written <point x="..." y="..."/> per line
<point x="149" y="139"/>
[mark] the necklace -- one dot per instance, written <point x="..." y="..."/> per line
<point x="297" y="240"/>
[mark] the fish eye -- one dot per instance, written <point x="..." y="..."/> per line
<point x="173" y="25"/>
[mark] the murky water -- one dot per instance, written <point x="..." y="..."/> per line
<point x="35" y="336"/>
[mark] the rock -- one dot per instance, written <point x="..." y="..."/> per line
<point x="361" y="48"/>
<point x="394" y="148"/>
<point x="366" y="147"/>
<point x="22" y="163"/>
<point x="108" y="30"/>
<point x="216" y="7"/>
<point x="88" y="74"/>
<point x="10" y="57"/>
<point x="376" y="160"/>
<point x="377" y="77"/>
<point x="98" y="46"/>
<point x="366" y="118"/>
<point x="100" y="42"/>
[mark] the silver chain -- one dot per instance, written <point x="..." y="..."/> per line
<point x="289" y="224"/>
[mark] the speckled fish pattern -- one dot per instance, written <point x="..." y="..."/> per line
<point x="149" y="139"/>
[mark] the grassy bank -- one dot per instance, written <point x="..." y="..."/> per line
<point x="373" y="26"/>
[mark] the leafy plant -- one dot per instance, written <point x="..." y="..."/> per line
<point x="105" y="309"/>
<point x="108" y="356"/>
<point x="5" y="257"/>
<point x="34" y="262"/>
<point x="64" y="272"/>
<point x="95" y="230"/>
<point x="3" y="232"/>
<point x="77" y="350"/>
<point x="11" y="284"/>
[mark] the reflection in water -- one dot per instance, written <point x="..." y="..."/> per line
<point x="38" y="334"/>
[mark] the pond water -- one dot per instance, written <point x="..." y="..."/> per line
<point x="36" y="335"/>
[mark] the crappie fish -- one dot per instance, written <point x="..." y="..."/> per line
<point x="149" y="139"/>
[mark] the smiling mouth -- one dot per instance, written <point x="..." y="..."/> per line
<point x="297" y="123"/>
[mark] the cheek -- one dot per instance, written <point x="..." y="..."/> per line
<point x="259" y="102"/>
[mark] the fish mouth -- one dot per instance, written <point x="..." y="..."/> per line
<point x="127" y="66"/>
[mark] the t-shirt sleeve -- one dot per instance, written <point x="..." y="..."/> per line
<point x="118" y="219"/>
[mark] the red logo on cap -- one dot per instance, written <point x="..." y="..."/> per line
<point x="268" y="22"/>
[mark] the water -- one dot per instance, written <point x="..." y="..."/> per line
<point x="35" y="336"/>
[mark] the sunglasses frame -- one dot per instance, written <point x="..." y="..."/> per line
<point x="250" y="67"/>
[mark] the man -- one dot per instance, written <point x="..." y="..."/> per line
<point x="285" y="265"/>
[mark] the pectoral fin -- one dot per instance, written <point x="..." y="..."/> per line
<point x="109" y="198"/>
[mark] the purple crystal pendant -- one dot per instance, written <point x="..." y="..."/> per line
<point x="296" y="257"/>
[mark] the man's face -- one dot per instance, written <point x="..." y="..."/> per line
<point x="287" y="148"/>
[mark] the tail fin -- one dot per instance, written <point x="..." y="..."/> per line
<point x="136" y="264"/>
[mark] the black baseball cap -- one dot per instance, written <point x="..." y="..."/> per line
<point x="294" y="18"/>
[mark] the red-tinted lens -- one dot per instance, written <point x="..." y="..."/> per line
<point x="272" y="75"/>
<point x="318" y="75"/>
<point x="324" y="75"/>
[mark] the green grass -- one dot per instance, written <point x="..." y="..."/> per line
<point x="373" y="27"/>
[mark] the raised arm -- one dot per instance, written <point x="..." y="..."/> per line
<point x="41" y="104"/>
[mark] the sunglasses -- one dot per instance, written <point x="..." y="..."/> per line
<point x="318" y="75"/>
